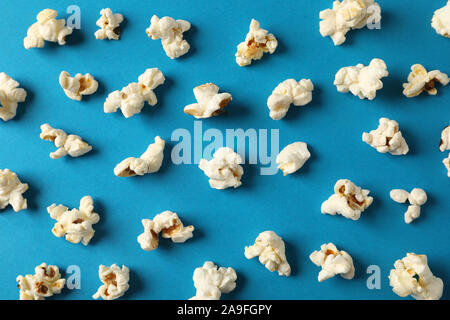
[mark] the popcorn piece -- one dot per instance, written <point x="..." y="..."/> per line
<point x="75" y="225"/>
<point x="446" y="163"/>
<point x="257" y="42"/>
<point x="333" y="262"/>
<point x="441" y="20"/>
<point x="109" y="24"/>
<point x="131" y="99"/>
<point x="270" y="249"/>
<point x="387" y="138"/>
<point x="362" y="81"/>
<point x="210" y="101"/>
<point x="11" y="190"/>
<point x="412" y="276"/>
<point x="10" y="96"/>
<point x="149" y="162"/>
<point x="67" y="144"/>
<point x="420" y="80"/>
<point x="288" y="92"/>
<point x="224" y="170"/>
<point x="78" y="86"/>
<point x="416" y="198"/>
<point x="47" y="28"/>
<point x="170" y="227"/>
<point x="170" y="31"/>
<point x="347" y="200"/>
<point x="43" y="284"/>
<point x="293" y="157"/>
<point x="347" y="15"/>
<point x="115" y="282"/>
<point x="445" y="139"/>
<point x="399" y="195"/>
<point x="211" y="281"/>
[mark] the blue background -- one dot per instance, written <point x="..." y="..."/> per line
<point x="225" y="221"/>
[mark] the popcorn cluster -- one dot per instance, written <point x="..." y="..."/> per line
<point x="115" y="282"/>
<point x="43" y="284"/>
<point x="257" y="42"/>
<point x="416" y="198"/>
<point x="47" y="28"/>
<point x="348" y="200"/>
<point x="211" y="281"/>
<point x="333" y="262"/>
<point x="78" y="86"/>
<point x="131" y="99"/>
<point x="209" y="101"/>
<point x="441" y="20"/>
<point x="293" y="157"/>
<point x="420" y="80"/>
<point x="269" y="247"/>
<point x="109" y="24"/>
<point x="11" y="190"/>
<point x="412" y="276"/>
<point x="10" y="96"/>
<point x="168" y="225"/>
<point x="387" y="138"/>
<point x="71" y="144"/>
<point x="170" y="31"/>
<point x="289" y="92"/>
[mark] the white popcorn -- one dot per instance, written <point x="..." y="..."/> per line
<point x="43" y="284"/>
<point x="75" y="225"/>
<point x="347" y="200"/>
<point x="293" y="157"/>
<point x="362" y="81"/>
<point x="115" y="282"/>
<point x="445" y="139"/>
<point x="47" y="28"/>
<point x="399" y="195"/>
<point x="67" y="144"/>
<point x="109" y="24"/>
<point x="269" y="247"/>
<point x="387" y="138"/>
<point x="333" y="262"/>
<point x="441" y="20"/>
<point x="257" y="42"/>
<point x="289" y="92"/>
<point x="170" y="31"/>
<point x="131" y="99"/>
<point x="168" y="225"/>
<point x="10" y="96"/>
<point x="446" y="163"/>
<point x="347" y="15"/>
<point x="209" y="101"/>
<point x="211" y="281"/>
<point x="224" y="170"/>
<point x="11" y="190"/>
<point x="416" y="198"/>
<point x="412" y="276"/>
<point x="78" y="86"/>
<point x="420" y="80"/>
<point x="149" y="162"/>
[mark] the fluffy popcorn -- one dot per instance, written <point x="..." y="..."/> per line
<point x="47" y="28"/>
<point x="11" y="190"/>
<point x="333" y="262"/>
<point x="10" y="96"/>
<point x="416" y="198"/>
<point x="441" y="20"/>
<point x="347" y="15"/>
<point x="131" y="99"/>
<point x="446" y="163"/>
<point x="43" y="284"/>
<point x="445" y="139"/>
<point x="75" y="225"/>
<point x="420" y="80"/>
<point x="115" y="282"/>
<point x="257" y="42"/>
<point x="209" y="101"/>
<point x="109" y="24"/>
<point x="170" y="31"/>
<point x="387" y="138"/>
<point x="168" y="225"/>
<point x="412" y="276"/>
<point x="78" y="86"/>
<point x="224" y="170"/>
<point x="347" y="200"/>
<point x="149" y="162"/>
<point x="211" y="281"/>
<point x="289" y="92"/>
<point x="293" y="157"/>
<point x="67" y="144"/>
<point x="362" y="81"/>
<point x="269" y="247"/>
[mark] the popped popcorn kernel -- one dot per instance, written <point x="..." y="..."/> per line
<point x="333" y="262"/>
<point x="441" y="20"/>
<point x="78" y="86"/>
<point x="293" y="157"/>
<point x="446" y="163"/>
<point x="11" y="191"/>
<point x="115" y="282"/>
<point x="43" y="284"/>
<point x="109" y="24"/>
<point x="387" y="138"/>
<point x="10" y="96"/>
<point x="420" y="80"/>
<point x="416" y="198"/>
<point x="67" y="144"/>
<point x="444" y="144"/>
<point x="211" y="281"/>
<point x="209" y="101"/>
